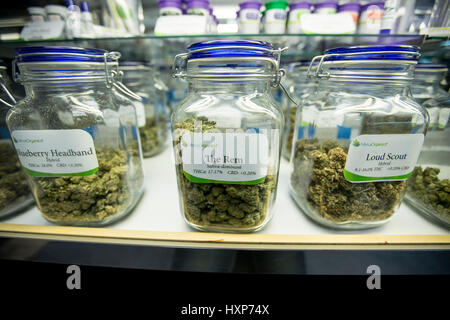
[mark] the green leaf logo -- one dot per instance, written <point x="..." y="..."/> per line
<point x="14" y="139"/>
<point x="356" y="143"/>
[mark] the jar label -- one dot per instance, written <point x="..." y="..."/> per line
<point x="444" y="115"/>
<point x="54" y="153"/>
<point x="140" y="113"/>
<point x="382" y="157"/>
<point x="234" y="158"/>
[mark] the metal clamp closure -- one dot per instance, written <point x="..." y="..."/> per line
<point x="319" y="72"/>
<point x="8" y="94"/>
<point x="110" y="61"/>
<point x="180" y="64"/>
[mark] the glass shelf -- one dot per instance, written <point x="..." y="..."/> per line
<point x="161" y="49"/>
<point x="215" y="36"/>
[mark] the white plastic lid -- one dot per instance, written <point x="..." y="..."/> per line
<point x="36" y="11"/>
<point x="56" y="9"/>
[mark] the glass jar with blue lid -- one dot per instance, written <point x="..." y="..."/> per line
<point x="298" y="86"/>
<point x="429" y="186"/>
<point x="75" y="134"/>
<point x="427" y="82"/>
<point x="227" y="135"/>
<point x="152" y="111"/>
<point x="15" y="195"/>
<point x="358" y="136"/>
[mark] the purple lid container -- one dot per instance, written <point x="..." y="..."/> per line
<point x="326" y="4"/>
<point x="300" y="5"/>
<point x="350" y="6"/>
<point x="198" y="4"/>
<point x="169" y="4"/>
<point x="250" y="5"/>
<point x="375" y="3"/>
<point x="178" y="1"/>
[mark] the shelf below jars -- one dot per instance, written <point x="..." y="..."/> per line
<point x="157" y="221"/>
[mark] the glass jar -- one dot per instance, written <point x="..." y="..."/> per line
<point x="15" y="195"/>
<point x="298" y="86"/>
<point x="151" y="111"/>
<point x="75" y="135"/>
<point x="427" y="83"/>
<point x="178" y="89"/>
<point x="428" y="189"/>
<point x="227" y="135"/>
<point x="357" y="136"/>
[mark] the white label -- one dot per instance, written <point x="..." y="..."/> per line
<point x="50" y="153"/>
<point x="275" y="21"/>
<point x="329" y="119"/>
<point x="444" y="114"/>
<point x="236" y="158"/>
<point x="310" y="116"/>
<point x="434" y="116"/>
<point x="140" y="113"/>
<point x="382" y="157"/>
<point x="294" y="20"/>
<point x="338" y="23"/>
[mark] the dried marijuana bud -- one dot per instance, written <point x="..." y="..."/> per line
<point x="153" y="135"/>
<point x="318" y="180"/>
<point x="13" y="184"/>
<point x="426" y="187"/>
<point x="87" y="198"/>
<point x="232" y="206"/>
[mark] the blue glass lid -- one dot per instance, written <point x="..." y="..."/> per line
<point x="60" y="54"/>
<point x="375" y="52"/>
<point x="230" y="48"/>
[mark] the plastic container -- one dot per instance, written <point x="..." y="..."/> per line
<point x="249" y="17"/>
<point x="370" y="18"/>
<point x="326" y="7"/>
<point x="398" y="16"/>
<point x="227" y="135"/>
<point x="428" y="188"/>
<point x="170" y="8"/>
<point x="275" y="17"/>
<point x="73" y="20"/>
<point x="55" y="12"/>
<point x="353" y="8"/>
<point x="198" y="7"/>
<point x="86" y="21"/>
<point x="439" y="24"/>
<point x="15" y="195"/>
<point x="76" y="135"/>
<point x="37" y="14"/>
<point x="152" y="111"/>
<point x="296" y="10"/>
<point x="358" y="136"/>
